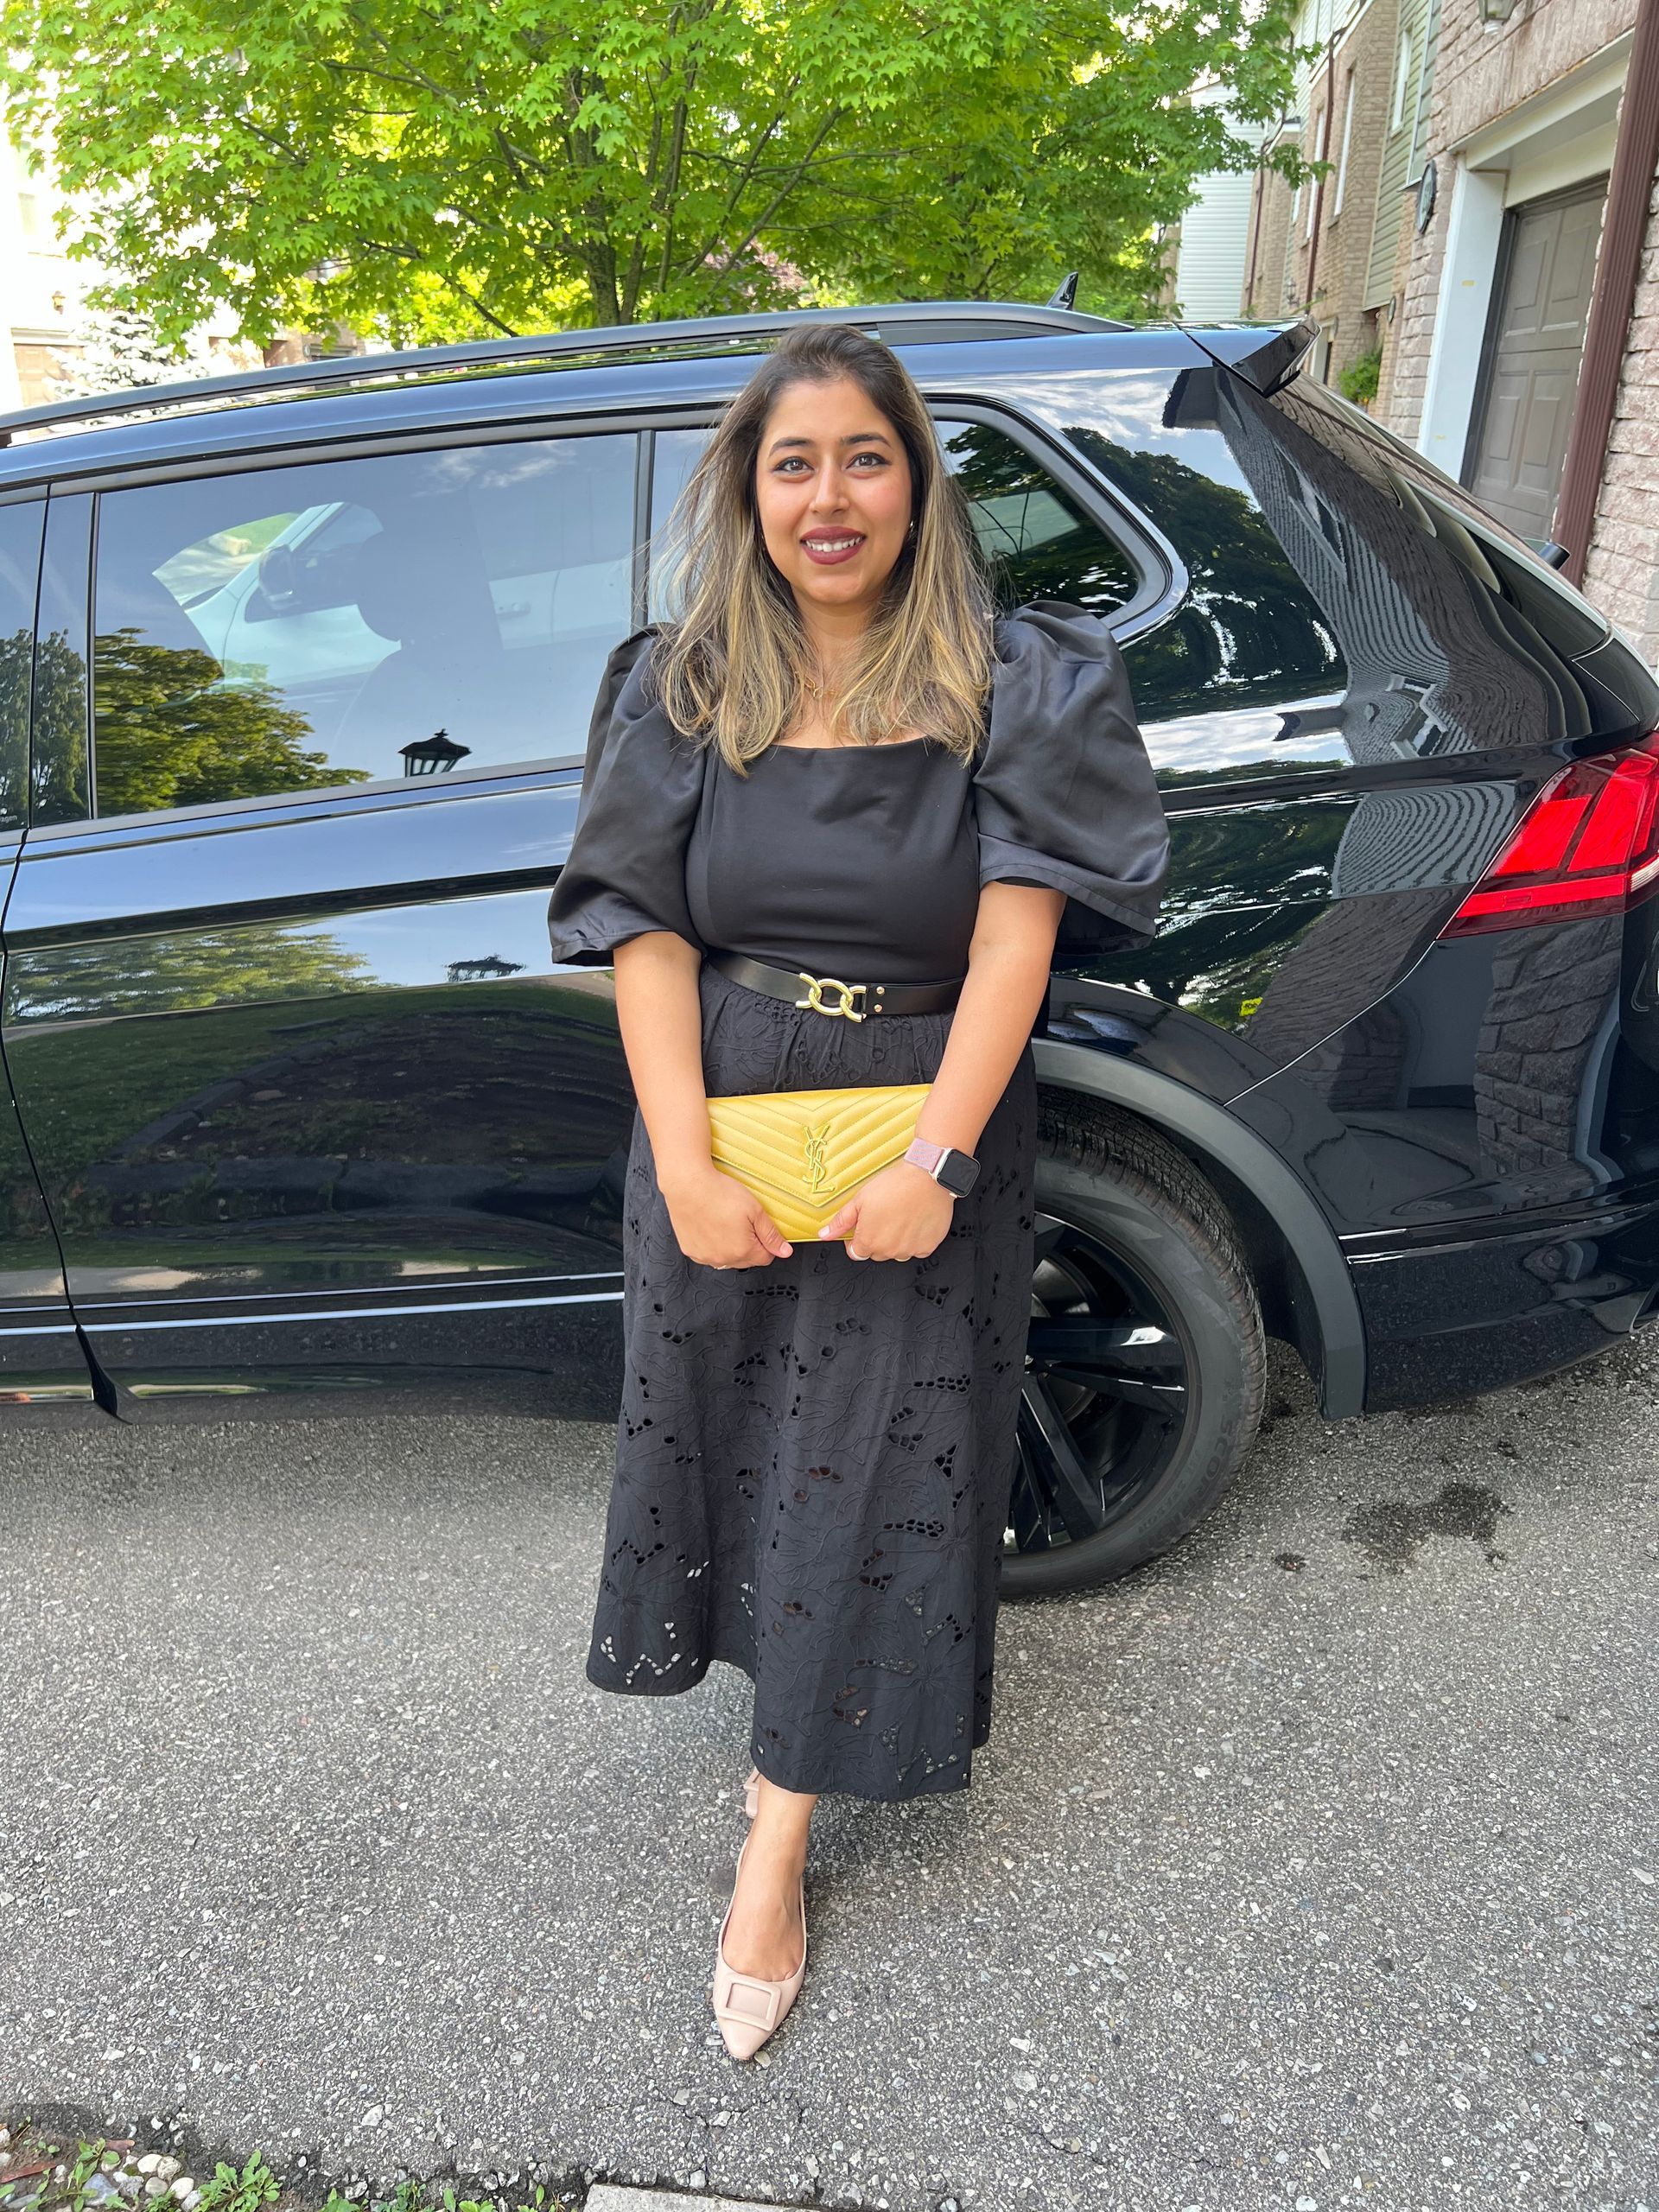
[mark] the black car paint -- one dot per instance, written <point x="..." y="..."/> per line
<point x="317" y="1122"/>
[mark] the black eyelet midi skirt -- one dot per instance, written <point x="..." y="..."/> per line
<point x="814" y="1458"/>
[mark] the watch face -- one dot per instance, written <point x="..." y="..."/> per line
<point x="956" y="1171"/>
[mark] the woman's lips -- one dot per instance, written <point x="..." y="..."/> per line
<point x="828" y="548"/>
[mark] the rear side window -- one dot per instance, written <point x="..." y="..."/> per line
<point x="1249" y="633"/>
<point x="20" y="564"/>
<point x="1037" y="541"/>
<point x="404" y="614"/>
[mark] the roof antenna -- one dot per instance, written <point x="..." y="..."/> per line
<point x="1066" y="296"/>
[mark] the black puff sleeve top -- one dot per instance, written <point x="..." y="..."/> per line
<point x="866" y="861"/>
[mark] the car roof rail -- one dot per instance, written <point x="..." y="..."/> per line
<point x="1265" y="355"/>
<point x="908" y="322"/>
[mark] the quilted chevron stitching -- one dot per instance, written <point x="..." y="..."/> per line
<point x="760" y="1137"/>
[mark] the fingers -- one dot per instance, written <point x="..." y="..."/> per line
<point x="771" y="1238"/>
<point x="842" y="1221"/>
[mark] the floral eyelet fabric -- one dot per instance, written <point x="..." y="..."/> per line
<point x="813" y="1457"/>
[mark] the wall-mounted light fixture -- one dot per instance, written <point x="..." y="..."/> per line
<point x="1497" y="12"/>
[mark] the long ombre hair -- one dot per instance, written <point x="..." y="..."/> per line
<point x="732" y="669"/>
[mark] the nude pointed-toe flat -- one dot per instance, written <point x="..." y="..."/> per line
<point x="751" y="1792"/>
<point x="747" y="2006"/>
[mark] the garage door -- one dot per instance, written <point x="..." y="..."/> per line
<point x="1523" y="408"/>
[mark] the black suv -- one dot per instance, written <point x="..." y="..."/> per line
<point x="294" y="686"/>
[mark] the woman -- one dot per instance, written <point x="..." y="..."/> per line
<point x="835" y="765"/>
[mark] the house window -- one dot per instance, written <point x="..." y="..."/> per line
<point x="1342" y="158"/>
<point x="1401" y="79"/>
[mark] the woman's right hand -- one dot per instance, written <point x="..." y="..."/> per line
<point x="719" y="1223"/>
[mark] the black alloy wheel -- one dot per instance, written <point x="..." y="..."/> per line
<point x="1146" y="1360"/>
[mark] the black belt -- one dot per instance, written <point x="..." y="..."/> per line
<point x="856" y="1000"/>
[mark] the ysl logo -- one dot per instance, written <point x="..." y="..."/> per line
<point x="816" y="1136"/>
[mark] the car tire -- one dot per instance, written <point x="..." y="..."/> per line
<point x="1146" y="1359"/>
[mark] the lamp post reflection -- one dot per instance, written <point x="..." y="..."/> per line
<point x="432" y="756"/>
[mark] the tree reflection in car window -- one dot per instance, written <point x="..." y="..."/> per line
<point x="173" y="732"/>
<point x="20" y="561"/>
<point x="1037" y="543"/>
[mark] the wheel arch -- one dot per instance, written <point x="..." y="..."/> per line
<point x="1302" y="1274"/>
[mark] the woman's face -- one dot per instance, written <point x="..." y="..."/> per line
<point x="833" y="487"/>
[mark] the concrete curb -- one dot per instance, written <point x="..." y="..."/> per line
<point x="607" y="2197"/>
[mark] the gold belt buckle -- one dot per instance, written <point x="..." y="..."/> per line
<point x="818" y="984"/>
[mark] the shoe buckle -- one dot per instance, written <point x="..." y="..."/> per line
<point x="765" y="1990"/>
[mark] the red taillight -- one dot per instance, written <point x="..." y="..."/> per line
<point x="1588" y="844"/>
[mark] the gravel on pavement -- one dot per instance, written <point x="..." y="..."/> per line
<point x="1316" y="1863"/>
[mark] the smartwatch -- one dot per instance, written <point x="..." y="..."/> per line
<point x="952" y="1170"/>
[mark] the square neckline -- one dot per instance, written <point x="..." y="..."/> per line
<point x="888" y="745"/>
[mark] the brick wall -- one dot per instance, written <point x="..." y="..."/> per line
<point x="1362" y="74"/>
<point x="1622" y="573"/>
<point x="1270" y="225"/>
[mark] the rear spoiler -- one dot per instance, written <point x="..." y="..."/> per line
<point x="1266" y="357"/>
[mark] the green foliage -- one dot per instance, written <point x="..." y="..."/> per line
<point x="16" y="660"/>
<point x="254" y="2187"/>
<point x="178" y="972"/>
<point x="513" y="165"/>
<point x="1358" y="381"/>
<point x="230" y="2191"/>
<point x="172" y="733"/>
<point x="59" y="774"/>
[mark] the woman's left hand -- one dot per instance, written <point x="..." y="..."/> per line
<point x="899" y="1213"/>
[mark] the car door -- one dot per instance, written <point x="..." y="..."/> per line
<point x="44" y="1372"/>
<point x="311" y="1110"/>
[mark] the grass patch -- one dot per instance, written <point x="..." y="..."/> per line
<point x="45" y="2173"/>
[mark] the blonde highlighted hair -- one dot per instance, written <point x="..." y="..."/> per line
<point x="732" y="666"/>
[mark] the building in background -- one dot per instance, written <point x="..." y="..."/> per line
<point x="1207" y="247"/>
<point x="1527" y="363"/>
<point x="1486" y="233"/>
<point x="1328" y="247"/>
<point x="53" y="340"/>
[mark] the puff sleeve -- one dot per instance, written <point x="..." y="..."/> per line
<point x="1064" y="792"/>
<point x="641" y="788"/>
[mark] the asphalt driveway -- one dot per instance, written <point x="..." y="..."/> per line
<point x="1316" y="1865"/>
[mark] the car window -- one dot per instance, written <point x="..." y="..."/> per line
<point x="1038" y="542"/>
<point x="403" y="615"/>
<point x="19" y="563"/>
<point x="1248" y="633"/>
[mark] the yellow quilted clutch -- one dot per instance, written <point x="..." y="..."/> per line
<point x="802" y="1152"/>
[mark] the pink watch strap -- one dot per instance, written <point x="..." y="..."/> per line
<point x="925" y="1154"/>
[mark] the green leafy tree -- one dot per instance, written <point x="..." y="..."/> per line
<point x="510" y="165"/>
<point x="239" y="964"/>
<point x="17" y="652"/>
<point x="170" y="733"/>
